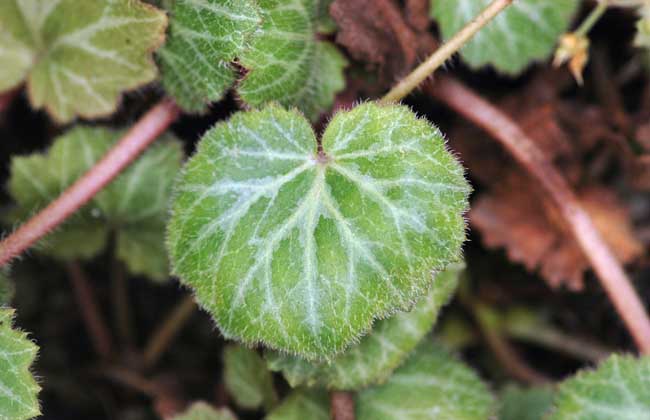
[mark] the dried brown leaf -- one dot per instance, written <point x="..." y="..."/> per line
<point x="515" y="215"/>
<point x="377" y="33"/>
<point x="417" y="14"/>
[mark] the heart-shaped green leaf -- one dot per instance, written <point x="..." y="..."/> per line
<point x="526" y="31"/>
<point x="618" y="389"/>
<point x="205" y="37"/>
<point x="247" y="378"/>
<point x="378" y="353"/>
<point x="430" y="385"/>
<point x="204" y="411"/>
<point x="19" y="390"/>
<point x="78" y="56"/>
<point x="301" y="250"/>
<point x="134" y="205"/>
<point x="287" y="63"/>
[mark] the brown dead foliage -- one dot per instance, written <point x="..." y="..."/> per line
<point x="514" y="214"/>
<point x="383" y="35"/>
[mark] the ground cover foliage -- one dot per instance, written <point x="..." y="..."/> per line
<point x="294" y="247"/>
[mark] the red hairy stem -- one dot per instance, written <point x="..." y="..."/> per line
<point x="503" y="129"/>
<point x="136" y="140"/>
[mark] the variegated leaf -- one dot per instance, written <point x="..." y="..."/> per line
<point x="18" y="389"/>
<point x="78" y="56"/>
<point x="525" y="32"/>
<point x="618" y="389"/>
<point x="205" y="37"/>
<point x="378" y="353"/>
<point x="302" y="250"/>
<point x="287" y="64"/>
<point x="430" y="385"/>
<point x="134" y="205"/>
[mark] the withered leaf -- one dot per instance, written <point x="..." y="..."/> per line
<point x="377" y="33"/>
<point x="518" y="217"/>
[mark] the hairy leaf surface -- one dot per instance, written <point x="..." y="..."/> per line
<point x="19" y="390"/>
<point x="204" y="411"/>
<point x="247" y="378"/>
<point x="302" y="251"/>
<point x="526" y="31"/>
<point x="134" y="205"/>
<point x="378" y="353"/>
<point x="78" y="56"/>
<point x="618" y="389"/>
<point x="430" y="385"/>
<point x="287" y="63"/>
<point x="302" y="404"/>
<point x="205" y="37"/>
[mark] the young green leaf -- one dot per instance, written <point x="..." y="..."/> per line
<point x="134" y="206"/>
<point x="379" y="353"/>
<point x="525" y="404"/>
<point x="431" y="384"/>
<point x="205" y="37"/>
<point x="202" y="411"/>
<point x="19" y="395"/>
<point x="247" y="378"/>
<point x="618" y="389"/>
<point x="524" y="32"/>
<point x="287" y="63"/>
<point x="301" y="250"/>
<point x="78" y="56"/>
<point x="303" y="404"/>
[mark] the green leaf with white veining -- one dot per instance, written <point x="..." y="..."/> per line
<point x="247" y="378"/>
<point x="525" y="404"/>
<point x="18" y="389"/>
<point x="303" y="251"/>
<point x="205" y="37"/>
<point x="204" y="411"/>
<point x="525" y="32"/>
<point x="303" y="404"/>
<point x="78" y="56"/>
<point x="619" y="389"/>
<point x="287" y="64"/>
<point x="430" y="385"/>
<point x="133" y="206"/>
<point x="378" y="353"/>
